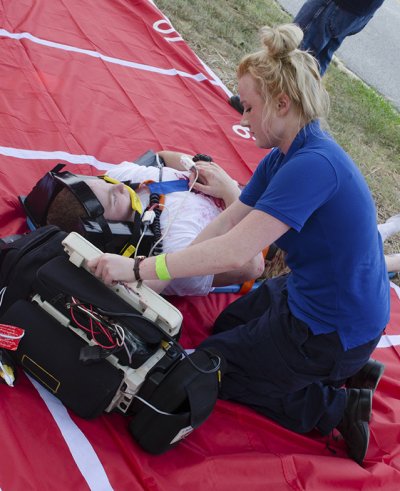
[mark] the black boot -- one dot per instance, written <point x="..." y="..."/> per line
<point x="354" y="425"/>
<point x="368" y="377"/>
<point x="234" y="101"/>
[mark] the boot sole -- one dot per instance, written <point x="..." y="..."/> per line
<point x="361" y="427"/>
<point x="364" y="406"/>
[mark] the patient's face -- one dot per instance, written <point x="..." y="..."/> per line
<point x="115" y="199"/>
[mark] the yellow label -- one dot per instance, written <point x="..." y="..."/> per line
<point x="129" y="251"/>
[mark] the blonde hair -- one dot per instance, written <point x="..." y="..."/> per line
<point x="280" y="67"/>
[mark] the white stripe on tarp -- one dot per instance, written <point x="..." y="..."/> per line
<point x="395" y="288"/>
<point x="389" y="340"/>
<point x="198" y="77"/>
<point x="82" y="451"/>
<point x="214" y="78"/>
<point x="20" y="153"/>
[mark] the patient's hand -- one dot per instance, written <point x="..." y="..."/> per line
<point x="214" y="181"/>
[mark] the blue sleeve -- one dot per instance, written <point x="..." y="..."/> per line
<point x="298" y="189"/>
<point x="256" y="186"/>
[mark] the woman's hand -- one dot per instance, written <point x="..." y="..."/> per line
<point x="111" y="268"/>
<point x="214" y="181"/>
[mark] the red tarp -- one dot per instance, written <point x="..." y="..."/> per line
<point x="91" y="84"/>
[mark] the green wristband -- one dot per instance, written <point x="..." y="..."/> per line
<point x="161" y="268"/>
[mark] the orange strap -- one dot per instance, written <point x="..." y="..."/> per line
<point x="246" y="287"/>
<point x="162" y="196"/>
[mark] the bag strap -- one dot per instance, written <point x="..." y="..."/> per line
<point x="202" y="390"/>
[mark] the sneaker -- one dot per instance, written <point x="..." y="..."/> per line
<point x="368" y="377"/>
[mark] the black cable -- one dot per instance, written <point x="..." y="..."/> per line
<point x="214" y="358"/>
<point x="156" y="225"/>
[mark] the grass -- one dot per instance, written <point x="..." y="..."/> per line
<point x="362" y="121"/>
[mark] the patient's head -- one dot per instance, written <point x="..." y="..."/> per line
<point x="66" y="210"/>
<point x="114" y="198"/>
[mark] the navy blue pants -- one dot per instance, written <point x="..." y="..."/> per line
<point x="277" y="366"/>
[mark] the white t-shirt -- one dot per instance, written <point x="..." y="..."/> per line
<point x="186" y="213"/>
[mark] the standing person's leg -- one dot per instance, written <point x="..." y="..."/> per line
<point x="314" y="18"/>
<point x="340" y="25"/>
<point x="325" y="26"/>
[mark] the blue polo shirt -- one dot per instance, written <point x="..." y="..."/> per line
<point x="338" y="279"/>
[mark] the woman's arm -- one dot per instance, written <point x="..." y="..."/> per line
<point x="224" y="222"/>
<point x="225" y="252"/>
<point x="212" y="179"/>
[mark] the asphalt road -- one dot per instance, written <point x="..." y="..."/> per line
<point x="374" y="53"/>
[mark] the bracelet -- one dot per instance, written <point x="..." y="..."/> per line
<point x="161" y="268"/>
<point x="136" y="264"/>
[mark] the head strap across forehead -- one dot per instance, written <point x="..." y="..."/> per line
<point x="82" y="191"/>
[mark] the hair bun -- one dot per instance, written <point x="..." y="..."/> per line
<point x="281" y="40"/>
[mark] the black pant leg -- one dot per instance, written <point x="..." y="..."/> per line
<point x="250" y="306"/>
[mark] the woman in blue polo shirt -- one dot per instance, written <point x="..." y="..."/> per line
<point x="291" y="344"/>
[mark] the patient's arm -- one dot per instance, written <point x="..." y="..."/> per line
<point x="212" y="179"/>
<point x="173" y="159"/>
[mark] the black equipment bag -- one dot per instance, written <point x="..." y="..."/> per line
<point x="49" y="352"/>
<point x="61" y="360"/>
<point x="177" y="396"/>
<point x="178" y="393"/>
<point x="58" y="280"/>
<point x="21" y="257"/>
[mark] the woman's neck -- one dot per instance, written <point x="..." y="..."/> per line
<point x="293" y="124"/>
